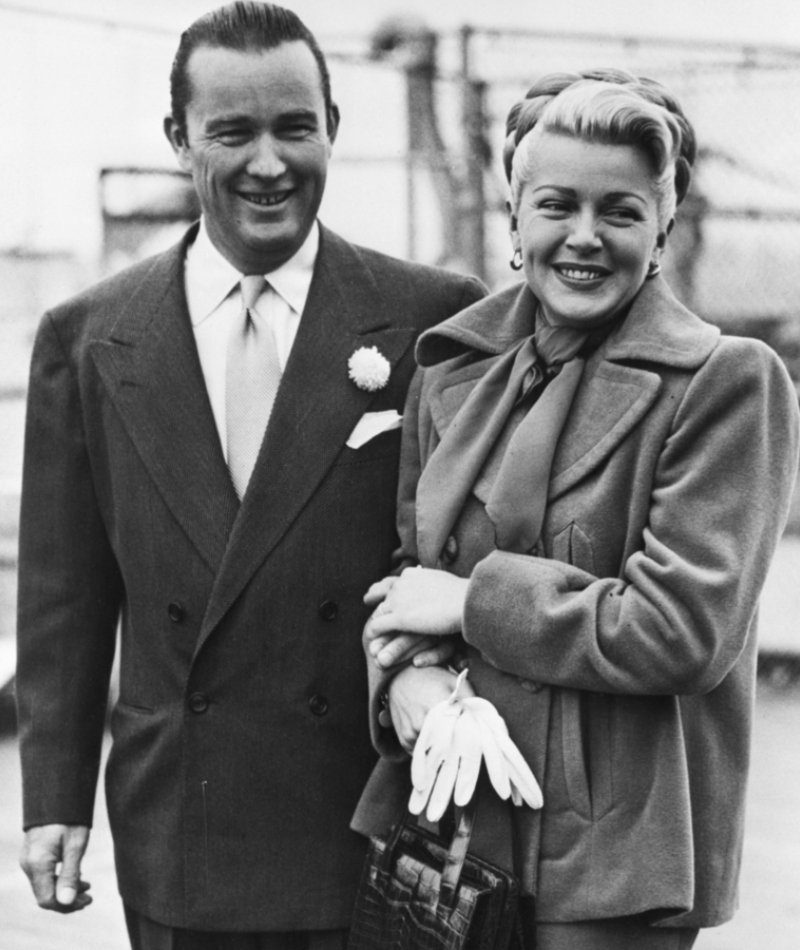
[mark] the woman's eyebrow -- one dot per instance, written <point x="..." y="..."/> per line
<point x="616" y="195"/>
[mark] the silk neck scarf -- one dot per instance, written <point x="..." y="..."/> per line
<point x="544" y="369"/>
<point x="518" y="500"/>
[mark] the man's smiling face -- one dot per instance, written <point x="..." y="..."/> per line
<point x="257" y="146"/>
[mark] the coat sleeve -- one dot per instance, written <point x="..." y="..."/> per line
<point x="677" y="619"/>
<point x="69" y="599"/>
<point x="385" y="740"/>
<point x="416" y="426"/>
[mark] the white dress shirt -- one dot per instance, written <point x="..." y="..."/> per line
<point x="215" y="303"/>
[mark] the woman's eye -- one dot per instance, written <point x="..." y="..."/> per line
<point x="622" y="215"/>
<point x="554" y="206"/>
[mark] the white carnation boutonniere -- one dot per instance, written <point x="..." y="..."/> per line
<point x="369" y="369"/>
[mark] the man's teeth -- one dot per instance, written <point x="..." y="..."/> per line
<point x="266" y="199"/>
<point x="580" y="274"/>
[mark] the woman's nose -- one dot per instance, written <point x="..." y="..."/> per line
<point x="266" y="160"/>
<point x="583" y="233"/>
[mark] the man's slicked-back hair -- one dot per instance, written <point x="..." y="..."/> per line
<point x="249" y="27"/>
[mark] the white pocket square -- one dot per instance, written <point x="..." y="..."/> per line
<point x="372" y="424"/>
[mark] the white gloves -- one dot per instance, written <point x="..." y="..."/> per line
<point x="455" y="736"/>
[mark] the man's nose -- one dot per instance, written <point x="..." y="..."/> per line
<point x="266" y="160"/>
<point x="583" y="233"/>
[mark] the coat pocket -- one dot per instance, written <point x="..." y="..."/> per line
<point x="587" y="751"/>
<point x="573" y="546"/>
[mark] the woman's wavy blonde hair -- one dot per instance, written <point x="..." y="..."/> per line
<point x="610" y="106"/>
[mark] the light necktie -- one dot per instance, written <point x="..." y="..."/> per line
<point x="251" y="382"/>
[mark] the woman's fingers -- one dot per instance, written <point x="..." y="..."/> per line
<point x="422" y="601"/>
<point x="440" y="652"/>
<point x="392" y="650"/>
<point x="378" y="591"/>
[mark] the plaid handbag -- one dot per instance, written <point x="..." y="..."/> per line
<point x="419" y="893"/>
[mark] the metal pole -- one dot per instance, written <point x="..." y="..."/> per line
<point x="472" y="210"/>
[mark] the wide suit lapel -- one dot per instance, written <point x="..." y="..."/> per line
<point x="316" y="409"/>
<point x="612" y="397"/>
<point x="152" y="373"/>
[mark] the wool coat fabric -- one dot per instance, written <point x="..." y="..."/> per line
<point x="621" y="651"/>
<point x="240" y="739"/>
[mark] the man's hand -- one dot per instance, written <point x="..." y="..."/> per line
<point x="391" y="649"/>
<point x="412" y="693"/>
<point x="44" y="849"/>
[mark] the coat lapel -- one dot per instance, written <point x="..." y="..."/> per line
<point x="316" y="409"/>
<point x="608" y="404"/>
<point x="466" y="429"/>
<point x="152" y="372"/>
<point x="615" y="395"/>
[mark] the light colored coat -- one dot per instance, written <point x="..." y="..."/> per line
<point x="622" y="652"/>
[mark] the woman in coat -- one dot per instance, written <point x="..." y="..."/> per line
<point x="594" y="482"/>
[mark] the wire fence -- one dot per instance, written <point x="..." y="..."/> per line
<point x="734" y="253"/>
<point x="416" y="169"/>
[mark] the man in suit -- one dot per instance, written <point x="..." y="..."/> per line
<point x="211" y="460"/>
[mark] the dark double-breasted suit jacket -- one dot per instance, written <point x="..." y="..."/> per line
<point x="241" y="739"/>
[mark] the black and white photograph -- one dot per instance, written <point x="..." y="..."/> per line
<point x="399" y="494"/>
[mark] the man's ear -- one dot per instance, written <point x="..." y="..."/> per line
<point x="333" y="122"/>
<point x="177" y="139"/>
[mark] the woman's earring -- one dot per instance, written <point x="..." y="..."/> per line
<point x="653" y="269"/>
<point x="516" y="260"/>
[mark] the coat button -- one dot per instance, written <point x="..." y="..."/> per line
<point x="450" y="550"/>
<point x="176" y="611"/>
<point x="318" y="705"/>
<point x="530" y="685"/>
<point x="198" y="703"/>
<point x="329" y="610"/>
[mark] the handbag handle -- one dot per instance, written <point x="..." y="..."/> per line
<point x="457" y="855"/>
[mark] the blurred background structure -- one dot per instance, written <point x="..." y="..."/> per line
<point x="90" y="185"/>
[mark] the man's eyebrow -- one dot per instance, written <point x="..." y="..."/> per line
<point x="231" y="118"/>
<point x="293" y="114"/>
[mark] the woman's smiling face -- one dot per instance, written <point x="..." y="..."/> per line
<point x="588" y="228"/>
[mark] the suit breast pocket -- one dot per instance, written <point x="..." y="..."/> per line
<point x="385" y="445"/>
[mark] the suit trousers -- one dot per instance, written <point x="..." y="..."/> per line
<point x="147" y="934"/>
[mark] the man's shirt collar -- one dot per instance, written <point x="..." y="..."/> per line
<point x="210" y="277"/>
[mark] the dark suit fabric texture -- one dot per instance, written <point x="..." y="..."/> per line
<point x="240" y="740"/>
<point x="621" y="651"/>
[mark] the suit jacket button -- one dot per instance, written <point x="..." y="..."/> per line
<point x="450" y="550"/>
<point x="318" y="705"/>
<point x="176" y="612"/>
<point x="198" y="703"/>
<point x="329" y="610"/>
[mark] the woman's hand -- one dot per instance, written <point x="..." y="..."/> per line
<point x="389" y="647"/>
<point x="421" y="601"/>
<point x="412" y="693"/>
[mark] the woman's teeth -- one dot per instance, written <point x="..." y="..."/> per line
<point x="582" y="274"/>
